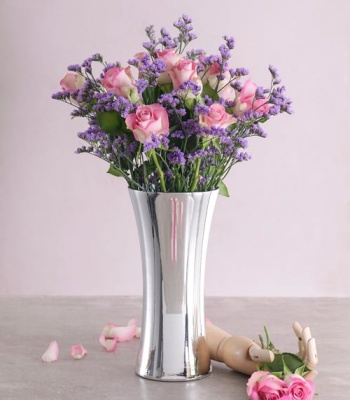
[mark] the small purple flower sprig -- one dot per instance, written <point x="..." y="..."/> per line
<point x="180" y="125"/>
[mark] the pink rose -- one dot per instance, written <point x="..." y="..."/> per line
<point x="183" y="71"/>
<point x="121" y="82"/>
<point x="299" y="388"/>
<point x="170" y="57"/>
<point x="72" y="82"/>
<point x="147" y="121"/>
<point x="223" y="87"/>
<point x="263" y="386"/>
<point x="217" y="117"/>
<point x="245" y="99"/>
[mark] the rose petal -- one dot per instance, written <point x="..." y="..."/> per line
<point x="109" y="343"/>
<point x="77" y="351"/>
<point x="51" y="354"/>
<point x="106" y="331"/>
<point x="132" y="322"/>
<point x="138" y="332"/>
<point x="123" y="333"/>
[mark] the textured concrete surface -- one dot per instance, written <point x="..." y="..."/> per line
<point x="27" y="325"/>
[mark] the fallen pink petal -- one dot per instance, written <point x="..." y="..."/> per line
<point x="124" y="333"/>
<point x="108" y="342"/>
<point x="51" y="354"/>
<point x="77" y="351"/>
<point x="138" y="332"/>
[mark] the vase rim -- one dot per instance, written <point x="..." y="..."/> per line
<point x="151" y="192"/>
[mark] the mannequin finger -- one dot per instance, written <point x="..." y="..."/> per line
<point x="298" y="330"/>
<point x="311" y="353"/>
<point x="258" y="355"/>
<point x="306" y="336"/>
<point x="310" y="375"/>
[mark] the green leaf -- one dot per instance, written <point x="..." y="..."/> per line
<point x="209" y="91"/>
<point x="190" y="103"/>
<point x="300" y="370"/>
<point x="286" y="370"/>
<point x="110" y="122"/>
<point x="114" y="171"/>
<point x="223" y="191"/>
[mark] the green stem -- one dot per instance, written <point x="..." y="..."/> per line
<point x="196" y="176"/>
<point x="161" y="174"/>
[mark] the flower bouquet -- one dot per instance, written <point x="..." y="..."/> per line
<point x="172" y="129"/>
<point x="179" y="121"/>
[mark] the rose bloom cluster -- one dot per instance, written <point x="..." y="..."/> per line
<point x="171" y="121"/>
<point x="264" y="386"/>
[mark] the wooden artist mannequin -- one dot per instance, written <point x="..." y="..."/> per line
<point x="243" y="355"/>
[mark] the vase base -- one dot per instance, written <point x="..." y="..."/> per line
<point x="175" y="378"/>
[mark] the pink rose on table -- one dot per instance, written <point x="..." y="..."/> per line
<point x="183" y="71"/>
<point x="217" y="117"/>
<point x="263" y="386"/>
<point x="121" y="82"/>
<point x="170" y="57"/>
<point x="72" y="82"/>
<point x="299" y="388"/>
<point x="148" y="120"/>
<point x="245" y="99"/>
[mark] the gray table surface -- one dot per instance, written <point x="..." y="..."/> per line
<point x="28" y="324"/>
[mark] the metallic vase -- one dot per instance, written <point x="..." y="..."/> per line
<point x="173" y="233"/>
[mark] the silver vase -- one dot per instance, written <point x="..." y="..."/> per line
<point x="173" y="233"/>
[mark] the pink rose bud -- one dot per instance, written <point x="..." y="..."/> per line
<point x="72" y="82"/>
<point x="147" y="121"/>
<point x="121" y="82"/>
<point x="217" y="117"/>
<point x="170" y="57"/>
<point x="245" y="99"/>
<point x="183" y="71"/>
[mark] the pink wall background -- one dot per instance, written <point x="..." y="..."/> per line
<point x="67" y="227"/>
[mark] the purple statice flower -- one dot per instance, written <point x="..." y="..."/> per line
<point x="225" y="52"/>
<point x="87" y="63"/>
<point x="242" y="156"/>
<point x="279" y="98"/>
<point x="230" y="41"/>
<point x="74" y="68"/>
<point x="259" y="93"/>
<point x="166" y="40"/>
<point x="86" y="92"/>
<point x="196" y="154"/>
<point x="141" y="85"/>
<point x="152" y="144"/>
<point x="150" y="32"/>
<point x="176" y="156"/>
<point x="239" y="72"/>
<point x="84" y="149"/>
<point x="257" y="130"/>
<point x="192" y="127"/>
<point x="218" y="131"/>
<point x="93" y="134"/>
<point x="191" y="86"/>
<point x="194" y="54"/>
<point x="123" y="106"/>
<point x="201" y="109"/>
<point x="169" y="174"/>
<point x="63" y="95"/>
<point x="177" y="134"/>
<point x="82" y="111"/>
<point x="169" y="100"/>
<point x="104" y="101"/>
<point x="150" y="47"/>
<point x="275" y="75"/>
<point x="226" y="145"/>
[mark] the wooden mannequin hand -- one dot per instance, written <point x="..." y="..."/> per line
<point x="244" y="355"/>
